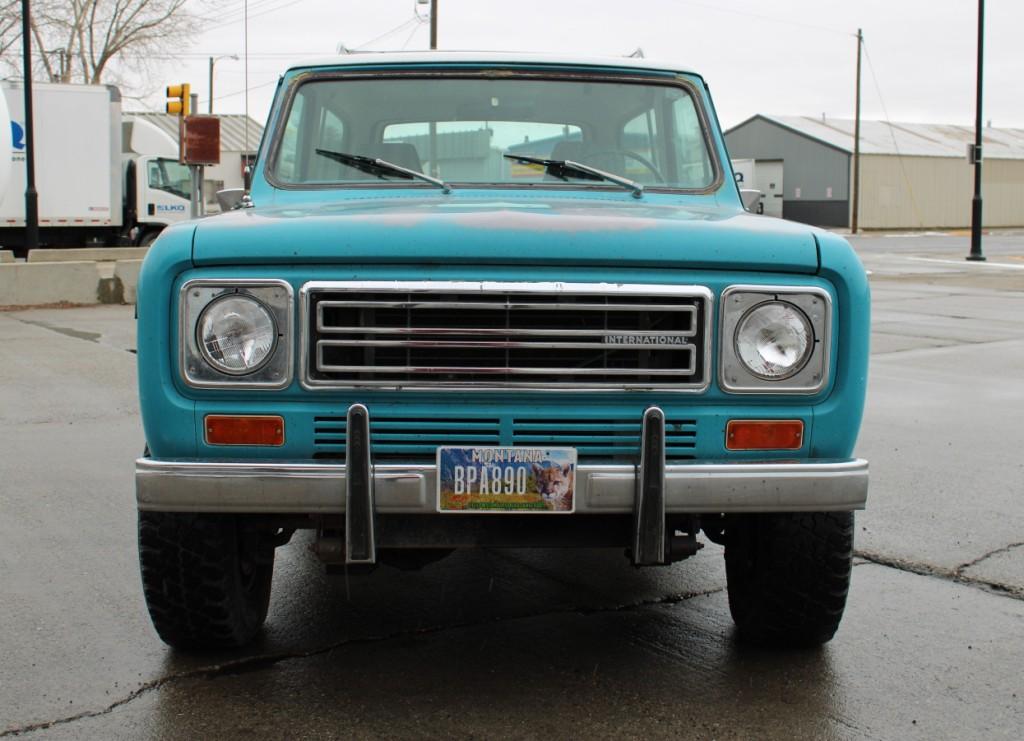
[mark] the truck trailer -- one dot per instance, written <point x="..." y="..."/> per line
<point x="101" y="181"/>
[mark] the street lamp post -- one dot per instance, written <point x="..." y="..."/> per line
<point x="976" y="253"/>
<point x="214" y="60"/>
<point x="31" y="196"/>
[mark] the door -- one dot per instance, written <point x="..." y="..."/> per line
<point x="164" y="190"/>
<point x="768" y="179"/>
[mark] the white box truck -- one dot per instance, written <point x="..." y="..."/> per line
<point x="100" y="181"/>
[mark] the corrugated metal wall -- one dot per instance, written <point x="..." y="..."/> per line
<point x="935" y="192"/>
<point x="810" y="168"/>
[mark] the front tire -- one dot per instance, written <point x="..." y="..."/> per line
<point x="206" y="578"/>
<point x="148" y="237"/>
<point x="788" y="575"/>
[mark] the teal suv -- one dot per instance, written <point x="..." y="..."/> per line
<point x="497" y="301"/>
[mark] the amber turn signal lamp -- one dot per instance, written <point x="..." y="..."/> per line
<point x="224" y="429"/>
<point x="764" y="434"/>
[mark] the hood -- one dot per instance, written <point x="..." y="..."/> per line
<point x="508" y="231"/>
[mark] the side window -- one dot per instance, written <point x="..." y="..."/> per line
<point x="691" y="153"/>
<point x="640" y="137"/>
<point x="170" y="177"/>
<point x="332" y="132"/>
<point x="156" y="176"/>
<point x="287" y="155"/>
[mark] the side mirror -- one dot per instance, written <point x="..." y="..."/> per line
<point x="751" y="198"/>
<point x="230" y="198"/>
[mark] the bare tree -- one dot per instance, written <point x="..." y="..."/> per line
<point x="10" y="26"/>
<point x="78" y="40"/>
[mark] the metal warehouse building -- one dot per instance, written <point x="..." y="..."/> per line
<point x="912" y="176"/>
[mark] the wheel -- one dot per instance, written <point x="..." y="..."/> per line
<point x="206" y="578"/>
<point x="593" y="157"/>
<point x="148" y="237"/>
<point x="788" y="575"/>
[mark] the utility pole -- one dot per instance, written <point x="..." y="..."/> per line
<point x="855" y="211"/>
<point x="31" y="196"/>
<point x="976" y="253"/>
<point x="198" y="204"/>
<point x="213" y="61"/>
<point x="433" y="24"/>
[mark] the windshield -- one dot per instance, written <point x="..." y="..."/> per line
<point x="460" y="130"/>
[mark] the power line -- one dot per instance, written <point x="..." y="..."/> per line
<point x="239" y="11"/>
<point x="412" y="32"/>
<point x="262" y="13"/>
<point x="396" y="29"/>
<point x="770" y="19"/>
<point x="243" y="90"/>
<point x="896" y="146"/>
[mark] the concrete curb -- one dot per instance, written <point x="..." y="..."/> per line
<point x="72" y="282"/>
<point x="89" y="254"/>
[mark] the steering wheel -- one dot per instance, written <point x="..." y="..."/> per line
<point x="587" y="159"/>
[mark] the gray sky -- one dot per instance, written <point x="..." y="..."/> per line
<point x="784" y="57"/>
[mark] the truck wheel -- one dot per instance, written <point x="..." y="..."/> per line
<point x="148" y="237"/>
<point x="788" y="575"/>
<point x="206" y="578"/>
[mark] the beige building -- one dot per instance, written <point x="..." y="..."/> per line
<point x="913" y="176"/>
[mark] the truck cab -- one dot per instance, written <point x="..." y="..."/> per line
<point x="501" y="301"/>
<point x="158" y="193"/>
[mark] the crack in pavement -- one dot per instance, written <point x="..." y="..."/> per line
<point x="1005" y="549"/>
<point x="954" y="575"/>
<point x="256" y="663"/>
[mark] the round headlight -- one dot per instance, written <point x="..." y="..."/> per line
<point x="774" y="340"/>
<point x="236" y="334"/>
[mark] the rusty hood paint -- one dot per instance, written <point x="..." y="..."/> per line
<point x="502" y="229"/>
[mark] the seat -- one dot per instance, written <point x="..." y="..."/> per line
<point x="568" y="149"/>
<point x="400" y="153"/>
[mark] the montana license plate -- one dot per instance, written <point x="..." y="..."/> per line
<point x="503" y="480"/>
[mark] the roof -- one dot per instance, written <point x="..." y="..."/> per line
<point x="907" y="139"/>
<point x="490" y="57"/>
<point x="232" y="129"/>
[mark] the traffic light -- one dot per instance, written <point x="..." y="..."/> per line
<point x="178" y="98"/>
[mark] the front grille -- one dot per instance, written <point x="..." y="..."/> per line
<point x="483" y="335"/>
<point x="414" y="438"/>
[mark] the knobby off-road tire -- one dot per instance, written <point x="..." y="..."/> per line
<point x="788" y="575"/>
<point x="206" y="578"/>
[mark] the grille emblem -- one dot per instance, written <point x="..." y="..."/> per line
<point x="656" y="339"/>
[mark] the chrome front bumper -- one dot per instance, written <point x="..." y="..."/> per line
<point x="319" y="488"/>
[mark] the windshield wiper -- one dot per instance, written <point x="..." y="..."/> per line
<point x="565" y="169"/>
<point x="379" y="167"/>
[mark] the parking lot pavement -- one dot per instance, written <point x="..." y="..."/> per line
<point x="941" y="425"/>
<point x="543" y="643"/>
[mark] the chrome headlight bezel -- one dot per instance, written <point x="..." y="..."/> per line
<point x="815" y="304"/>
<point x="274" y="296"/>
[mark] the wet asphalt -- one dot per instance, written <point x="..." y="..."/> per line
<point x="541" y="644"/>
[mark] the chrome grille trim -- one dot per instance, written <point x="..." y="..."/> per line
<point x="680" y="352"/>
<point x="493" y="305"/>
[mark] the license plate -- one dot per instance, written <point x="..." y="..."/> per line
<point x="503" y="480"/>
